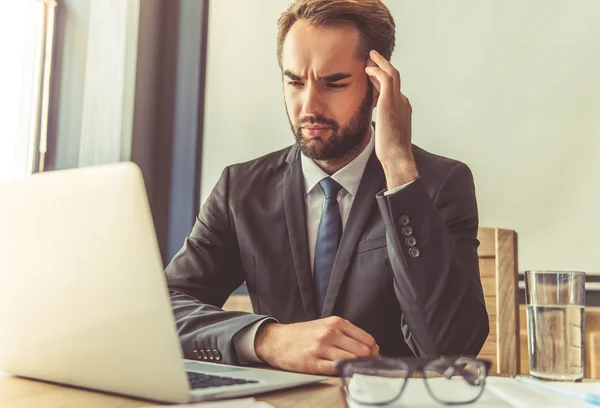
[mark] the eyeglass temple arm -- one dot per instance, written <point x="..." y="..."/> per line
<point x="470" y="377"/>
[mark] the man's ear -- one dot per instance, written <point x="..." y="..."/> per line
<point x="370" y="84"/>
<point x="375" y="96"/>
<point x="373" y="91"/>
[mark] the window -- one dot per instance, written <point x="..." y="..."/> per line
<point x="26" y="35"/>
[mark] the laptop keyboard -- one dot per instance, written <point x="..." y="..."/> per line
<point x="198" y="380"/>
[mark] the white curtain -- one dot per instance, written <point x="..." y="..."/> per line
<point x="25" y="49"/>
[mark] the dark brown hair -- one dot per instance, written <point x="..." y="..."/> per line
<point x="371" y="18"/>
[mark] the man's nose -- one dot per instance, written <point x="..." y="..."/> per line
<point x="313" y="102"/>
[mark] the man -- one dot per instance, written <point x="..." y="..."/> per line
<point x="353" y="242"/>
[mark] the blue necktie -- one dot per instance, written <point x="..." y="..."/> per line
<point x="328" y="238"/>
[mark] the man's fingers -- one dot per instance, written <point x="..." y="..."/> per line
<point x="382" y="62"/>
<point x="354" y="347"/>
<point x="386" y="66"/>
<point x="373" y="80"/>
<point x="382" y="82"/>
<point x="380" y="75"/>
<point x="334" y="353"/>
<point x="325" y="367"/>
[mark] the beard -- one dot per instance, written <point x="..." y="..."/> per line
<point x="342" y="140"/>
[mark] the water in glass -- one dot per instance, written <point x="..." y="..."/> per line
<point x="556" y="341"/>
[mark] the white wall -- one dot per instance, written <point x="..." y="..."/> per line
<point x="512" y="88"/>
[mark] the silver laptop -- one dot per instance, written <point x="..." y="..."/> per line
<point x="83" y="299"/>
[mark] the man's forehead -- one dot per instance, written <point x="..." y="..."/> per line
<point x="329" y="48"/>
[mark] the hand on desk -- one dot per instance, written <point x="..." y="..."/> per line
<point x="312" y="347"/>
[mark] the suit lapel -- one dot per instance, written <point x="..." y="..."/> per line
<point x="371" y="183"/>
<point x="295" y="214"/>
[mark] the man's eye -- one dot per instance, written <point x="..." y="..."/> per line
<point x="337" y="85"/>
<point x="295" y="83"/>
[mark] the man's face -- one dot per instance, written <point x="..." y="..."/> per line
<point x="328" y="96"/>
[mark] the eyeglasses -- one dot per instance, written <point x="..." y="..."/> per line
<point x="381" y="380"/>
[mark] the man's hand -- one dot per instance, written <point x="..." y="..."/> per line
<point x="393" y="128"/>
<point x="312" y="347"/>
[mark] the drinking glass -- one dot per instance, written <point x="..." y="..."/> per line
<point x="555" y="331"/>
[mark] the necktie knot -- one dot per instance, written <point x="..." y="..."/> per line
<point x="330" y="188"/>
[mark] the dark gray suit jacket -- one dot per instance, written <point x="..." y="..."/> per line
<point x="252" y="228"/>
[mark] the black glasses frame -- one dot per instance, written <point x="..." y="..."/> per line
<point x="414" y="365"/>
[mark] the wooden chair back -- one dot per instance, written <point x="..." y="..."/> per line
<point x="239" y="303"/>
<point x="499" y="278"/>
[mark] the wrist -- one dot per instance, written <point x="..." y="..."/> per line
<point x="399" y="171"/>
<point x="263" y="340"/>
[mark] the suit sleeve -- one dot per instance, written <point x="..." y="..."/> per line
<point x="201" y="277"/>
<point x="432" y="248"/>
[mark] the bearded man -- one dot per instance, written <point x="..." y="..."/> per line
<point x="353" y="242"/>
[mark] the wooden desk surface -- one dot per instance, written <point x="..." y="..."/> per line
<point x="23" y="393"/>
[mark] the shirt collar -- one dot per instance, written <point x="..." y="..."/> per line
<point x="348" y="176"/>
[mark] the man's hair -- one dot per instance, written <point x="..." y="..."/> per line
<point x="371" y="18"/>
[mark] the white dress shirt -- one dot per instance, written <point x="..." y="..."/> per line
<point x="349" y="178"/>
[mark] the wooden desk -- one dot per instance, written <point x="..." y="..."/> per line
<point x="22" y="393"/>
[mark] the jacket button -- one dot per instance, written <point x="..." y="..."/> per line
<point x="414" y="252"/>
<point x="210" y="355"/>
<point x="203" y="355"/>
<point x="410" y="241"/>
<point x="196" y="354"/>
<point x="217" y="355"/>
<point x="407" y="230"/>
<point x="404" y="220"/>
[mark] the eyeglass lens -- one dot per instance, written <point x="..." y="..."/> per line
<point x="455" y="382"/>
<point x="371" y="382"/>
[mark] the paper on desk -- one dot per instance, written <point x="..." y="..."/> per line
<point x="499" y="393"/>
<point x="521" y="395"/>
<point x="232" y="403"/>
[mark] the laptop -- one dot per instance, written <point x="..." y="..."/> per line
<point x="83" y="297"/>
